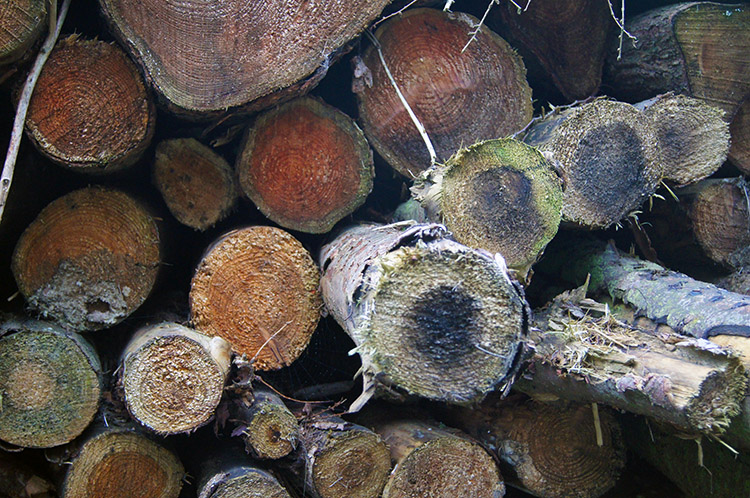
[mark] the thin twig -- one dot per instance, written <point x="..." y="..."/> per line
<point x="479" y="26"/>
<point x="23" y="102"/>
<point x="393" y="14"/>
<point x="620" y="24"/>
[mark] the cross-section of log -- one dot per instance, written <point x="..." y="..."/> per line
<point x="305" y="165"/>
<point x="739" y="152"/>
<point x="173" y="377"/>
<point x="257" y="287"/>
<point x="430" y="317"/>
<point x="49" y="383"/>
<point x="121" y="462"/>
<point x="461" y="97"/>
<point x="90" y="110"/>
<point x="216" y="55"/>
<point x="269" y="429"/>
<point x="89" y="259"/>
<point x="499" y="195"/>
<point x="692" y="134"/>
<point x="437" y="462"/>
<point x="21" y="23"/>
<point x="342" y="459"/>
<point x="554" y="33"/>
<point x="232" y="476"/>
<point x="697" y="48"/>
<point x="606" y="154"/>
<point x="549" y="450"/>
<point x="197" y="184"/>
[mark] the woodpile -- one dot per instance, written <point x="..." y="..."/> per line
<point x="374" y="249"/>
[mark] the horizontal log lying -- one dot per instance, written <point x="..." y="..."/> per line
<point x="429" y="316"/>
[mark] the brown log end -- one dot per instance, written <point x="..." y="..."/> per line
<point x="89" y="259"/>
<point x="49" y="384"/>
<point x="173" y="377"/>
<point x="272" y="430"/>
<point x="197" y="184"/>
<point x="21" y="23"/>
<point x="90" y="110"/>
<point x="257" y="287"/>
<point x="306" y="165"/>
<point x="739" y="153"/>
<point x="123" y="463"/>
<point x="460" y="98"/>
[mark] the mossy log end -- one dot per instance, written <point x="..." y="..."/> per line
<point x="208" y="58"/>
<point x="257" y="287"/>
<point x="306" y="165"/>
<point x="553" y="32"/>
<point x="437" y="462"/>
<point x="21" y="24"/>
<point x="197" y="184"/>
<point x="459" y="97"/>
<point x="689" y="383"/>
<point x="430" y="317"/>
<point x="237" y="479"/>
<point x="551" y="451"/>
<point x="500" y="195"/>
<point x="50" y="383"/>
<point x="269" y="428"/>
<point x="121" y="462"/>
<point x="89" y="259"/>
<point x="605" y="153"/>
<point x="173" y="377"/>
<point x="90" y="111"/>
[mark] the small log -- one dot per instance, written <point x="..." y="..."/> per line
<point x="90" y="110"/>
<point x="173" y="377"/>
<point x="306" y="165"/>
<point x="499" y="195"/>
<point x="50" y="383"/>
<point x="342" y="459"/>
<point x="208" y="58"/>
<point x="461" y="97"/>
<point x="553" y="34"/>
<point x="549" y="451"/>
<point x="89" y="259"/>
<point x="18" y="480"/>
<point x="606" y="155"/>
<point x="269" y="428"/>
<point x="121" y="462"/>
<point x="429" y="316"/>
<point x="257" y="287"/>
<point x="693" y="136"/>
<point x="21" y="24"/>
<point x="231" y="476"/>
<point x="197" y="184"/>
<point x="437" y="462"/>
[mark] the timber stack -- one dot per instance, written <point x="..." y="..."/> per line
<point x="378" y="248"/>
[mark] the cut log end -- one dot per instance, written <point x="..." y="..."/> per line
<point x="89" y="259"/>
<point x="739" y="153"/>
<point x="272" y="431"/>
<point x="197" y="184"/>
<point x="90" y="110"/>
<point x="306" y="165"/>
<point x="49" y="385"/>
<point x="21" y="23"/>
<point x="257" y="288"/>
<point x="242" y="482"/>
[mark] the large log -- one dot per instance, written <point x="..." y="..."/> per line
<point x="89" y="259"/>
<point x="306" y="165"/>
<point x="429" y="316"/>
<point x="461" y="97"/>
<point x="21" y="24"/>
<point x="214" y="56"/>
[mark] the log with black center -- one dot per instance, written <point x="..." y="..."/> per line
<point x="268" y="427"/>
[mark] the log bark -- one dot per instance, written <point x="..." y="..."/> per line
<point x="50" y="383"/>
<point x="197" y="184"/>
<point x="213" y="57"/>
<point x="552" y="34"/>
<point x="460" y="97"/>
<point x="257" y="287"/>
<point x="549" y="451"/>
<point x="606" y="154"/>
<point x="500" y="195"/>
<point x="306" y="165"/>
<point x="89" y="259"/>
<point x="437" y="462"/>
<point x="173" y="377"/>
<point x="90" y="110"/>
<point x="269" y="429"/>
<point x="18" y="480"/>
<point x="429" y="316"/>
<point x="121" y="462"/>
<point x="232" y="476"/>
<point x="21" y="24"/>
